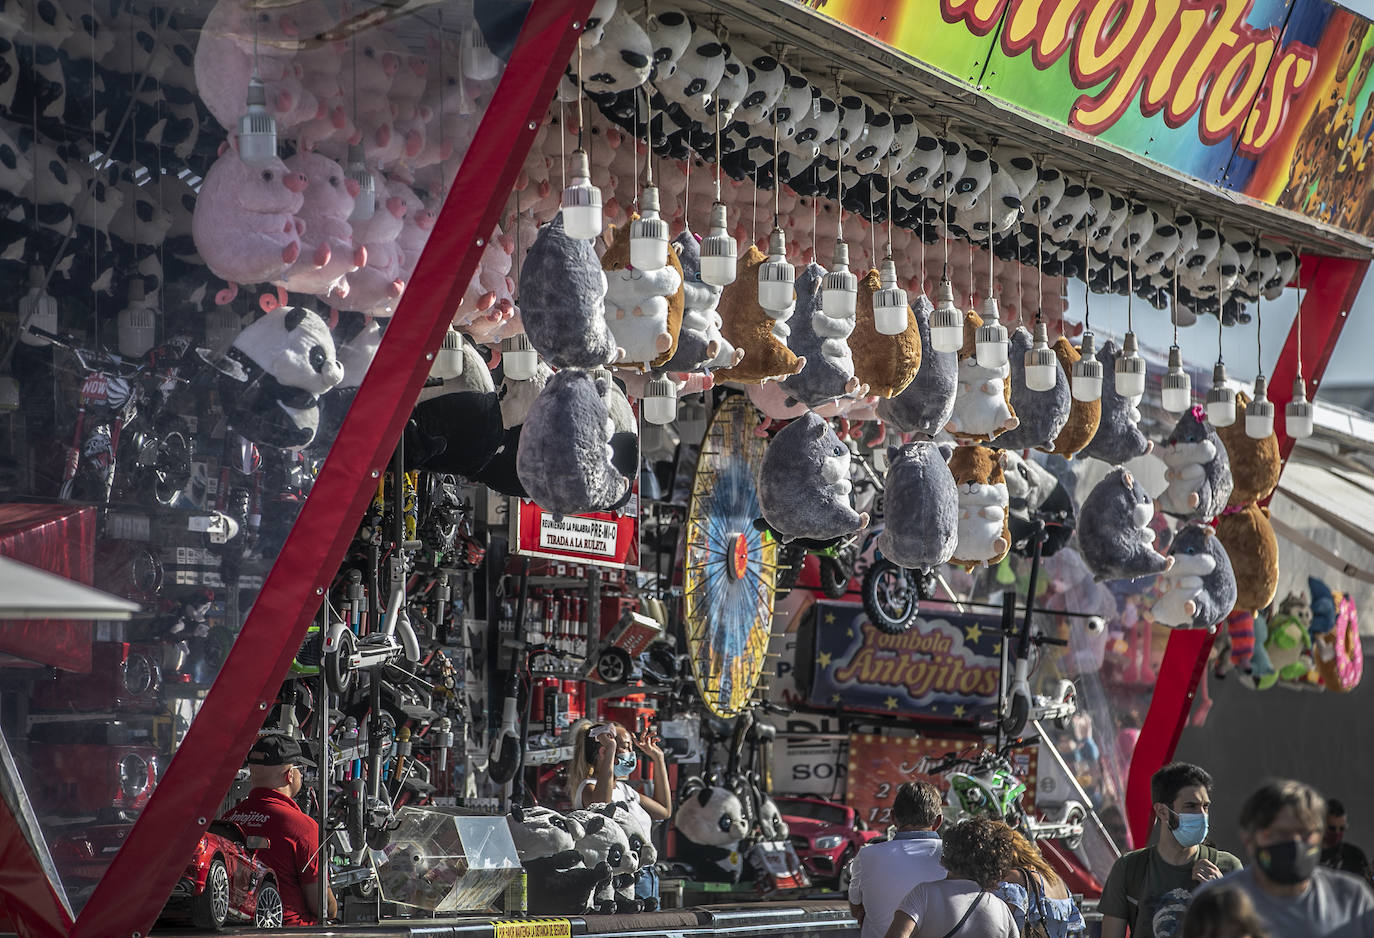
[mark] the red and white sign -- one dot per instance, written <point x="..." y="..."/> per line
<point x="603" y="538"/>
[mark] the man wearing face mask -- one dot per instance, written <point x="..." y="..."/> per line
<point x="1163" y="875"/>
<point x="1281" y="826"/>
<point x="1337" y="852"/>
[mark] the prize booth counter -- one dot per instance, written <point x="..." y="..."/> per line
<point x="422" y="383"/>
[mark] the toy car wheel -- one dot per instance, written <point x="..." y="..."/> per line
<point x="613" y="666"/>
<point x="1018" y="714"/>
<point x="268" y="911"/>
<point x="890" y="599"/>
<point x="210" y="907"/>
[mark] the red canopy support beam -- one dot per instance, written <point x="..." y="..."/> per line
<point x="1330" y="285"/>
<point x="130" y="895"/>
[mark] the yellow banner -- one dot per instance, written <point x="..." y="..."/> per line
<point x="541" y="928"/>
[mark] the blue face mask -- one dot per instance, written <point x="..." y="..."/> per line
<point x="625" y="764"/>
<point x="1191" y="829"/>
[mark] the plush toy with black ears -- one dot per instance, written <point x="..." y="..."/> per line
<point x="710" y="825"/>
<point x="1114" y="531"/>
<point x="1201" y="586"/>
<point x="565" y="457"/>
<point x="602" y="841"/>
<point x="1199" y="472"/>
<point x="560" y="882"/>
<point x="804" y="482"/>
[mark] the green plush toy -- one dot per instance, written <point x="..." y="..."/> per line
<point x="1289" y="646"/>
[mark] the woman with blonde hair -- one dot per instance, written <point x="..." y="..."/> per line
<point x="1036" y="894"/>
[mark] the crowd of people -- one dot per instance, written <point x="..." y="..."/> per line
<point x="983" y="879"/>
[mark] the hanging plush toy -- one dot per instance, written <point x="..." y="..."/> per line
<point x="1337" y="652"/>
<point x="1084" y="416"/>
<point x="328" y="253"/>
<point x="749" y="327"/>
<point x="562" y="300"/>
<point x="1114" y="530"/>
<point x="885" y="363"/>
<point x="819" y="339"/>
<point x="245" y="226"/>
<point x="804" y="483"/>
<point x="982" y="406"/>
<point x="287" y="359"/>
<point x="984" y="537"/>
<point x="926" y="404"/>
<point x="1255" y="464"/>
<point x="710" y="825"/>
<point x="376" y="287"/>
<point x="921" y="506"/>
<point x="464" y="413"/>
<point x="1042" y="414"/>
<point x="565" y="458"/>
<point x="1199" y="473"/>
<point x="1035" y="497"/>
<point x="643" y="307"/>
<point x="698" y="343"/>
<point x="1249" y="540"/>
<point x="1201" y="586"/>
<point x="1118" y="438"/>
<point x="1288" y="643"/>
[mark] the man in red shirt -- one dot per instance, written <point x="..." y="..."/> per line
<point x="270" y="811"/>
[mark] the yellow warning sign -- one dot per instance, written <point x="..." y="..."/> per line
<point x="542" y="928"/>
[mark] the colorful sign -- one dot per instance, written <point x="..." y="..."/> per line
<point x="538" y="928"/>
<point x="1269" y="98"/>
<point x="603" y="538"/>
<point x="944" y="667"/>
<point x="879" y="764"/>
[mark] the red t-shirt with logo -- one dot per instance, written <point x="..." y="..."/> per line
<point x="293" y="847"/>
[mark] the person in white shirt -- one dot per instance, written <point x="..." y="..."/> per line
<point x="881" y="874"/>
<point x="963" y="905"/>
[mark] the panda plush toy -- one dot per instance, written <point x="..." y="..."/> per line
<point x="560" y="882"/>
<point x="274" y="373"/>
<point x="710" y="825"/>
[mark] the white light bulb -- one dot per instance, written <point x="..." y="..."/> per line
<point x="648" y="234"/>
<point x="257" y="128"/>
<point x="1130" y="369"/>
<point x="890" y="307"/>
<point x="660" y="402"/>
<point x="1259" y="415"/>
<point x="991" y="338"/>
<point x="448" y="361"/>
<point x="479" y="64"/>
<point x="1297" y="416"/>
<point x="137" y="323"/>
<point x="776" y="276"/>
<point x="365" y="202"/>
<point x="946" y="322"/>
<point x="222" y="327"/>
<point x="839" y="287"/>
<point x="581" y="204"/>
<point x="519" y="360"/>
<point x="1086" y="379"/>
<point x="719" y="253"/>
<point x="1221" y="400"/>
<point x="1176" y="394"/>
<point x="1042" y="365"/>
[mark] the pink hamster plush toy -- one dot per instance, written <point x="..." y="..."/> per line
<point x="328" y="254"/>
<point x="376" y="287"/>
<point x="225" y="60"/>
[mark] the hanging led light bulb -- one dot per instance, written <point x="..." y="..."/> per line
<point x="890" y="303"/>
<point x="776" y="276"/>
<point x="136" y="323"/>
<point x="581" y="204"/>
<point x="1259" y="414"/>
<point x="648" y="234"/>
<point x="257" y="127"/>
<point x="479" y="63"/>
<point x="719" y="253"/>
<point x="1086" y="379"/>
<point x="1298" y="422"/>
<point x="365" y="202"/>
<point x="1042" y="365"/>
<point x="222" y="326"/>
<point x="839" y="288"/>
<point x="660" y="402"/>
<point x="1176" y="389"/>
<point x="519" y="360"/>
<point x="1130" y="367"/>
<point x="448" y="361"/>
<point x="946" y="321"/>
<point x="1221" y="399"/>
<point x="37" y="310"/>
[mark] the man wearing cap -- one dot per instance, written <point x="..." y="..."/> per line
<point x="270" y="811"/>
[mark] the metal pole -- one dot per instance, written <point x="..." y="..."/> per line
<point x="326" y="771"/>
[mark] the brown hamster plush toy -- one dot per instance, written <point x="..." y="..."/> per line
<point x="1255" y="464"/>
<point x="643" y="307"/>
<point x="748" y="326"/>
<point x="1249" y="540"/>
<point x="886" y="363"/>
<point x="984" y="536"/>
<point x="1084" y="416"/>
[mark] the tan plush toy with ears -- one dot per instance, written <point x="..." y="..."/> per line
<point x="748" y="327"/>
<point x="1254" y="550"/>
<point x="1255" y="464"/>
<point x="643" y="308"/>
<point x="984" y="536"/>
<point x="1084" y="416"/>
<point x="886" y="363"/>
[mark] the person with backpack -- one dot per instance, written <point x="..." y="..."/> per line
<point x="1039" y="901"/>
<point x="975" y="854"/>
<point x="1153" y="884"/>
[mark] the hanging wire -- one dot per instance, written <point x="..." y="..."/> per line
<point x="777" y="183"/>
<point x="1087" y="292"/>
<point x="562" y="134"/>
<point x="990" y="257"/>
<point x="1173" y="310"/>
<point x="634" y="143"/>
<point x="1040" y="258"/>
<point x="839" y="171"/>
<point x="944" y="205"/>
<point x="1219" y="302"/>
<point x="754" y="208"/>
<point x="579" y="92"/>
<point x="1259" y="320"/>
<point x="649" y="135"/>
<point x="687" y="194"/>
<point x="1298" y="251"/>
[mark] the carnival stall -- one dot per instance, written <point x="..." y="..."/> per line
<point x="429" y="382"/>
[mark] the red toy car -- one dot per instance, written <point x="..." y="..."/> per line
<point x="225" y="881"/>
<point x="825" y="835"/>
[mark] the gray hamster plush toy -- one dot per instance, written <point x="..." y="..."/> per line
<point x="1042" y="413"/>
<point x="698" y="343"/>
<point x="1199" y="472"/>
<point x="1114" y="531"/>
<point x="562" y="300"/>
<point x="1119" y="438"/>
<point x="922" y="507"/>
<point x="565" y="460"/>
<point x="1201" y="585"/>
<point x="926" y="404"/>
<point x="804" y="482"/>
<point x="819" y="338"/>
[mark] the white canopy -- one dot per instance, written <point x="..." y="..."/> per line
<point x="26" y="592"/>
